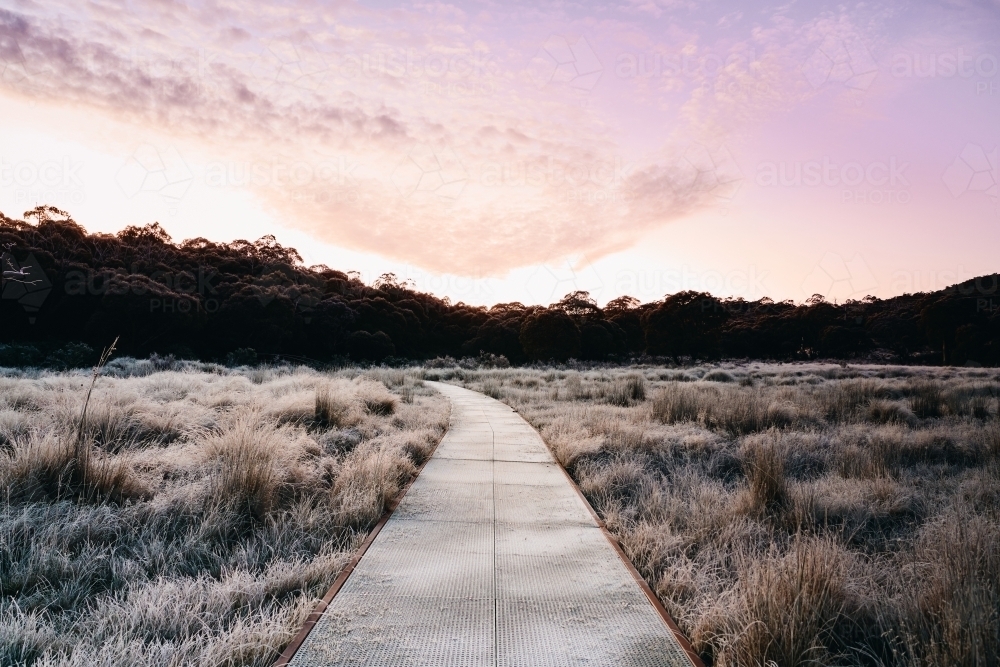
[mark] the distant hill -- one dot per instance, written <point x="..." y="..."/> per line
<point x="66" y="292"/>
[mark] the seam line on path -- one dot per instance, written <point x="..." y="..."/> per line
<point x="496" y="593"/>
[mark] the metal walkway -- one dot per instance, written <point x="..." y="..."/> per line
<point x="491" y="559"/>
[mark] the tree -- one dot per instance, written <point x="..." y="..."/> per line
<point x="550" y="334"/>
<point x="686" y="323"/>
<point x="370" y="347"/>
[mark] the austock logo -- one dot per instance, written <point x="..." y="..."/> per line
<point x="13" y="68"/>
<point x="169" y="292"/>
<point x="713" y="171"/>
<point x="300" y="64"/>
<point x="426" y="171"/>
<point x="149" y="170"/>
<point x="24" y="282"/>
<point x="846" y="61"/>
<point x="548" y="283"/>
<point x="837" y="278"/>
<point x="560" y="62"/>
<point x="974" y="170"/>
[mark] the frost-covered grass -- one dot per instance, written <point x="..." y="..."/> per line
<point x="213" y="508"/>
<point x="791" y="514"/>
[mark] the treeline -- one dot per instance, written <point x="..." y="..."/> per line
<point x="66" y="291"/>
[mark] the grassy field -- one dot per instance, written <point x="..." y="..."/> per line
<point x="198" y="513"/>
<point x="792" y="514"/>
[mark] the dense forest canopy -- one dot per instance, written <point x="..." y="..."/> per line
<point x="66" y="292"/>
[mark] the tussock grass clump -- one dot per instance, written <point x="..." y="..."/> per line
<point x="718" y="375"/>
<point x="744" y="411"/>
<point x="333" y="405"/>
<point x="626" y="391"/>
<point x="843" y="400"/>
<point x="889" y="412"/>
<point x="676" y="403"/>
<point x="926" y="400"/>
<point x="764" y="466"/>
<point x="953" y="616"/>
<point x="248" y="455"/>
<point x="790" y="605"/>
<point x="369" y="478"/>
<point x="493" y="389"/>
<point x="376" y="399"/>
<point x="14" y="428"/>
<point x="974" y="400"/>
<point x="48" y="467"/>
<point x="573" y="386"/>
<point x="733" y="410"/>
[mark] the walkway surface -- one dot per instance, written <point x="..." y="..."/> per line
<point x="491" y="559"/>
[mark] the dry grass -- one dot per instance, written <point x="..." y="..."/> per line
<point x="798" y="514"/>
<point x="211" y="510"/>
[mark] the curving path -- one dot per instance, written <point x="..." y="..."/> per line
<point x="492" y="558"/>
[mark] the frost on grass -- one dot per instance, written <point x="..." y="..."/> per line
<point x="799" y="514"/>
<point x="213" y="510"/>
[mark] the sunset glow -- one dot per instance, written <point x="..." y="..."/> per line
<point x="495" y="152"/>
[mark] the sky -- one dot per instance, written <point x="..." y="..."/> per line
<point x="494" y="152"/>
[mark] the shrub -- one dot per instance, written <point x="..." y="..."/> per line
<point x="72" y="355"/>
<point x="19" y="355"/>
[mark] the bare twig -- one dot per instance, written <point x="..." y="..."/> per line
<point x="14" y="273"/>
<point x="82" y="450"/>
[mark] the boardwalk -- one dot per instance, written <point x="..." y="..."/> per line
<point x="491" y="559"/>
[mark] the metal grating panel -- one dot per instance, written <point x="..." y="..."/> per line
<point x="380" y="631"/>
<point x="536" y="504"/>
<point x="459" y="501"/>
<point x="442" y="472"/>
<point x="568" y="633"/>
<point x="539" y="562"/>
<point x="543" y="474"/>
<point x="525" y="453"/>
<point x="429" y="559"/>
